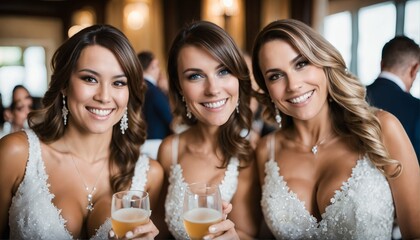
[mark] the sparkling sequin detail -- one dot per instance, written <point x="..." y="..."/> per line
<point x="32" y="215"/>
<point x="361" y="209"/>
<point x="175" y="196"/>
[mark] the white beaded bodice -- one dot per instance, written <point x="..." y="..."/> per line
<point x="176" y="188"/>
<point x="32" y="215"/>
<point x="362" y="209"/>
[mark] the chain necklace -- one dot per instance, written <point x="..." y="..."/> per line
<point x="315" y="147"/>
<point x="93" y="189"/>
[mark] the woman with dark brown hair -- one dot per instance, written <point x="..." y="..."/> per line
<point x="58" y="177"/>
<point x="210" y="88"/>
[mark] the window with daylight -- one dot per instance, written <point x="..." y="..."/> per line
<point x="360" y="33"/>
<point x="22" y="66"/>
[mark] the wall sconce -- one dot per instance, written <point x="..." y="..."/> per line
<point x="83" y="18"/>
<point x="229" y="7"/>
<point x="135" y="15"/>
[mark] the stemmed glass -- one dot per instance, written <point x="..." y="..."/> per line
<point x="202" y="208"/>
<point x="129" y="209"/>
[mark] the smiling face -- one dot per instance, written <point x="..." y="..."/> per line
<point x="210" y="90"/>
<point x="298" y="88"/>
<point x="98" y="93"/>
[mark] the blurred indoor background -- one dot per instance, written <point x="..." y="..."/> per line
<point x="31" y="30"/>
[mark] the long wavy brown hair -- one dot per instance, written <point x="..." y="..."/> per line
<point x="48" y="123"/>
<point x="213" y="39"/>
<point x="351" y="114"/>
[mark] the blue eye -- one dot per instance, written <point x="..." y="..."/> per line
<point x="194" y="76"/>
<point x="224" y="72"/>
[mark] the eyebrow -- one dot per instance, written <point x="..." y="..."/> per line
<point x="293" y="61"/>
<point x="200" y="70"/>
<point x="98" y="74"/>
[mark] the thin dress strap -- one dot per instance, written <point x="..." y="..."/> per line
<point x="175" y="143"/>
<point x="272" y="147"/>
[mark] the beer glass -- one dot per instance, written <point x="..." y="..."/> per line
<point x="202" y="208"/>
<point x="129" y="209"/>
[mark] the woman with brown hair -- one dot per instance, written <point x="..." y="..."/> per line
<point x="58" y="177"/>
<point x="210" y="88"/>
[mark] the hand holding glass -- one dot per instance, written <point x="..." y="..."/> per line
<point x="129" y="209"/>
<point x="202" y="208"/>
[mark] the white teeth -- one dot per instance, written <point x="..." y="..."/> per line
<point x="99" y="112"/>
<point x="301" y="98"/>
<point x="215" y="104"/>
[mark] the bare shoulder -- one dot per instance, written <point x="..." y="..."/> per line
<point x="263" y="148"/>
<point x="387" y="119"/>
<point x="155" y="170"/>
<point x="14" y="153"/>
<point x="165" y="153"/>
<point x="391" y="127"/>
<point x="14" y="147"/>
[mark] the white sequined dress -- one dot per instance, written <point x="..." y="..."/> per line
<point x="362" y="209"/>
<point x="32" y="215"/>
<point x="177" y="185"/>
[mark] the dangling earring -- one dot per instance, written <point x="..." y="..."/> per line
<point x="237" y="107"/>
<point x="278" y="116"/>
<point x="64" y="111"/>
<point x="189" y="115"/>
<point x="124" y="122"/>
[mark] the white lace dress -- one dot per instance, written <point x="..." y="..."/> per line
<point x="32" y="215"/>
<point x="362" y="209"/>
<point x="177" y="185"/>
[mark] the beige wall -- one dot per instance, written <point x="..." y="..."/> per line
<point x="25" y="31"/>
<point x="150" y="36"/>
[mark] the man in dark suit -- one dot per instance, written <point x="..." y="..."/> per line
<point x="156" y="108"/>
<point x="390" y="91"/>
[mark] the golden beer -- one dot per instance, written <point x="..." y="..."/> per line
<point x="126" y="219"/>
<point x="198" y="220"/>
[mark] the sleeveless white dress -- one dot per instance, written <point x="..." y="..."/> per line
<point x="177" y="185"/>
<point x="362" y="209"/>
<point x="32" y="215"/>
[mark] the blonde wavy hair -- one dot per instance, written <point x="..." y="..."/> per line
<point x="351" y="114"/>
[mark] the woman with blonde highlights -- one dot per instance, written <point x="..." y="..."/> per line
<point x="336" y="168"/>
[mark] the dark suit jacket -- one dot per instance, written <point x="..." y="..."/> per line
<point x="387" y="95"/>
<point x="157" y="112"/>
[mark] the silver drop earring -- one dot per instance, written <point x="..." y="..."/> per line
<point x="278" y="116"/>
<point x="237" y="107"/>
<point x="124" y="122"/>
<point x="64" y="111"/>
<point x="189" y="115"/>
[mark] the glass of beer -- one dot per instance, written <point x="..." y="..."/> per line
<point x="202" y="208"/>
<point x="129" y="209"/>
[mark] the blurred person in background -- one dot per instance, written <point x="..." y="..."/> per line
<point x="391" y="90"/>
<point x="157" y="110"/>
<point x="16" y="116"/>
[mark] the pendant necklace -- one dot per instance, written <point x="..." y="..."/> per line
<point x="315" y="148"/>
<point x="90" y="192"/>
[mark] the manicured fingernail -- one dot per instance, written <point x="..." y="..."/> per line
<point x="212" y="229"/>
<point x="129" y="234"/>
<point x="137" y="230"/>
<point x="111" y="234"/>
<point x="207" y="237"/>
